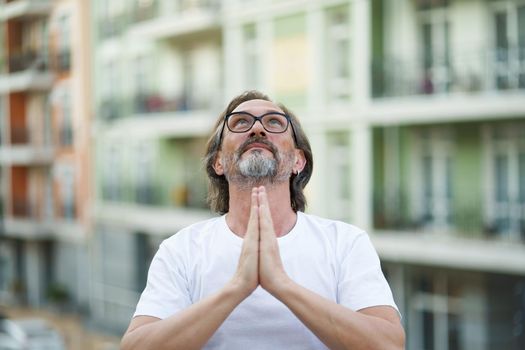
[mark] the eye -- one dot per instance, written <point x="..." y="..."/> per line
<point x="239" y="122"/>
<point x="275" y="122"/>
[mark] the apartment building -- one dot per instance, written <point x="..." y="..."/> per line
<point x="414" y="109"/>
<point x="448" y="128"/>
<point x="44" y="153"/>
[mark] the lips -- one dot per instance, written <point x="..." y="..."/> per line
<point x="257" y="145"/>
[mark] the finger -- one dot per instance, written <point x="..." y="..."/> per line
<point x="252" y="230"/>
<point x="265" y="216"/>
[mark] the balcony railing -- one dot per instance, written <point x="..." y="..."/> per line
<point x="148" y="10"/>
<point x="111" y="192"/>
<point x="465" y="73"/>
<point x="155" y="103"/>
<point x="112" y="26"/>
<point x="147" y="194"/>
<point x="110" y="109"/>
<point x="189" y="5"/>
<point x="466" y="220"/>
<point x="22" y="208"/>
<point x="27" y="61"/>
<point x="19" y="135"/>
<point x="141" y="104"/>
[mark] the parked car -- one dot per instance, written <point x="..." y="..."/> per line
<point x="28" y="334"/>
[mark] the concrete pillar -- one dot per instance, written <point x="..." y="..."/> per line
<point x="232" y="51"/>
<point x="315" y="31"/>
<point x="361" y="141"/>
<point x="316" y="188"/>
<point x="361" y="57"/>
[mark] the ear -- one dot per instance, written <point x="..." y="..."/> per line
<point x="300" y="161"/>
<point x="217" y="165"/>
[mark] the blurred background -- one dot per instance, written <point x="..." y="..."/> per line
<point x="415" y="110"/>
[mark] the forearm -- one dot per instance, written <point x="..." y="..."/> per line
<point x="337" y="326"/>
<point x="190" y="328"/>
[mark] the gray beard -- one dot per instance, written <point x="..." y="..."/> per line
<point x="257" y="166"/>
<point x="256" y="170"/>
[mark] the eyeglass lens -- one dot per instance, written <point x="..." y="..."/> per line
<point x="242" y="122"/>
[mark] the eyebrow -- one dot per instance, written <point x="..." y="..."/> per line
<point x="264" y="112"/>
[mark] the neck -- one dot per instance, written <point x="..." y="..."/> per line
<point x="283" y="216"/>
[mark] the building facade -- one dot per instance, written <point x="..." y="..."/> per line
<point x="44" y="153"/>
<point x="415" y="112"/>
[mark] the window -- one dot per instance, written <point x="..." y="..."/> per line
<point x="252" y="57"/>
<point x="506" y="204"/>
<point x="66" y="131"/>
<point x="145" y="190"/>
<point x="338" y="53"/>
<point x="435" y="174"/>
<point x="435" y="316"/>
<point x="64" y="43"/>
<point x="111" y="188"/>
<point x="509" y="45"/>
<point x="435" y="65"/>
<point x="67" y="191"/>
<point x="339" y="179"/>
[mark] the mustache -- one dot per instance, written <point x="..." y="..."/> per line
<point x="257" y="139"/>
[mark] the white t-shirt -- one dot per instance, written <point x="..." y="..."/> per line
<point x="331" y="258"/>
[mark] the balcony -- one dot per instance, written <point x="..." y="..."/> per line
<point x="151" y="220"/>
<point x="188" y="18"/>
<point x="27" y="71"/>
<point x="144" y="11"/>
<point x="110" y="109"/>
<point x="19" y="135"/>
<point x="22" y="152"/>
<point x="156" y="103"/>
<point x="484" y="86"/>
<point x="28" y="228"/>
<point x="147" y="194"/>
<point x="22" y="208"/>
<point x="27" y="155"/>
<point x="24" y="8"/>
<point x="464" y="221"/>
<point x="29" y="60"/>
<point x="479" y="72"/>
<point x="112" y="26"/>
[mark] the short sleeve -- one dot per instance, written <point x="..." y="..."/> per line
<point x="361" y="281"/>
<point x="166" y="291"/>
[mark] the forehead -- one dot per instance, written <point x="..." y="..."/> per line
<point x="257" y="107"/>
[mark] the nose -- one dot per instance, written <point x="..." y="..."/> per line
<point x="257" y="129"/>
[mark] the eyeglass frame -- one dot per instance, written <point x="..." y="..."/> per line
<point x="255" y="119"/>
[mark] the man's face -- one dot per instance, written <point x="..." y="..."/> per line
<point x="257" y="156"/>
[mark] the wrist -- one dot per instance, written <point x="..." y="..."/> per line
<point x="280" y="286"/>
<point x="239" y="288"/>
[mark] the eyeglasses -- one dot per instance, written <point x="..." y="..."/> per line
<point x="273" y="122"/>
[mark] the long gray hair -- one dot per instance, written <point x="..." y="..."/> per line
<point x="218" y="195"/>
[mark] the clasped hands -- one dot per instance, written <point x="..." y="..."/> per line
<point x="260" y="262"/>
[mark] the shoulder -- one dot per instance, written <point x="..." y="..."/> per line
<point x="336" y="228"/>
<point x="191" y="234"/>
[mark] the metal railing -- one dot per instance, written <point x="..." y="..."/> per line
<point x="466" y="219"/>
<point x="112" y="26"/>
<point x="467" y="73"/>
<point x="145" y="12"/>
<point x="29" y="60"/>
<point x="19" y="135"/>
<point x="22" y="208"/>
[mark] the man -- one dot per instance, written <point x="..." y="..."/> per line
<point x="264" y="275"/>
